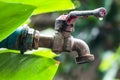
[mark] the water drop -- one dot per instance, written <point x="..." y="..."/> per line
<point x="100" y="18"/>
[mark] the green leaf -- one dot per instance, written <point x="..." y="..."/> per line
<point x="109" y="60"/>
<point x="12" y="15"/>
<point x="26" y="67"/>
<point x="44" y="6"/>
<point x="42" y="52"/>
<point x="107" y="4"/>
<point x="54" y="5"/>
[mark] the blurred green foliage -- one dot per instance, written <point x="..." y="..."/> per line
<point x="110" y="64"/>
<point x="109" y="59"/>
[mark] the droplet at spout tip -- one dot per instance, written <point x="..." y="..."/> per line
<point x="100" y="18"/>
